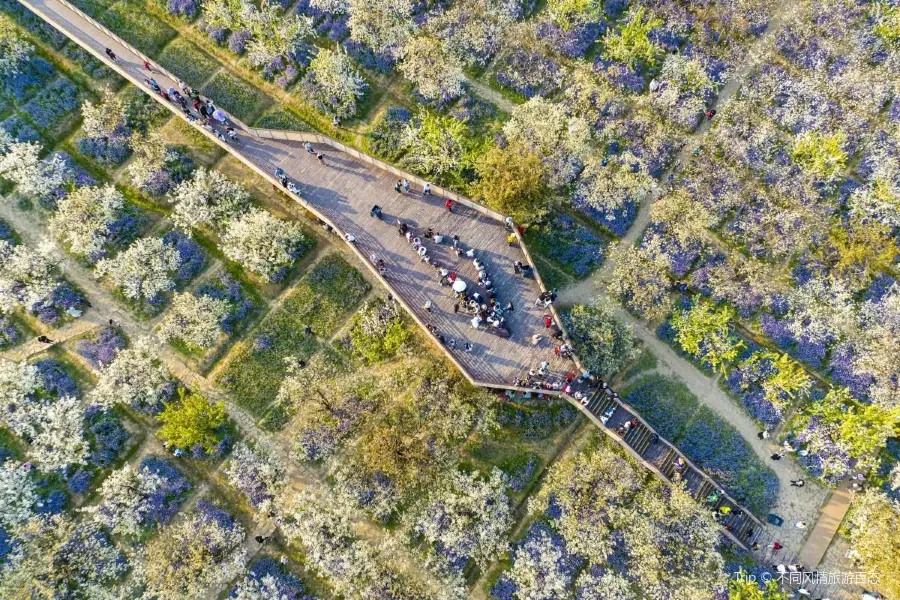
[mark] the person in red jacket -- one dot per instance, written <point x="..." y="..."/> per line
<point x="449" y="204"/>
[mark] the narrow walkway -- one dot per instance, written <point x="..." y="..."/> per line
<point x="832" y="514"/>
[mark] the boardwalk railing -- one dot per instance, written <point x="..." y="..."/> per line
<point x="642" y="442"/>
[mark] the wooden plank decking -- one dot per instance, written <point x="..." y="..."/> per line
<point x="343" y="190"/>
<point x="825" y="529"/>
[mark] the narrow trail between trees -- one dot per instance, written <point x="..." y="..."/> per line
<point x="793" y="504"/>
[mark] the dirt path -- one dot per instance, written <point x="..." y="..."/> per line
<point x="491" y="95"/>
<point x="582" y="291"/>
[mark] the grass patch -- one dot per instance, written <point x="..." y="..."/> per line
<point x="666" y="404"/>
<point x="236" y="96"/>
<point x="645" y="362"/>
<point x="200" y="148"/>
<point x="322" y="300"/>
<point x="282" y="118"/>
<point x="552" y="276"/>
<point x="133" y="23"/>
<point x="188" y="62"/>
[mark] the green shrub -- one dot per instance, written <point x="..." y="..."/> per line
<point x="665" y="403"/>
<point x="188" y="62"/>
<point x="134" y="23"/>
<point x="377" y="332"/>
<point x="235" y="95"/>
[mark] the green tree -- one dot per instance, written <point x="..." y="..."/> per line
<point x="861" y="429"/>
<point x="511" y="181"/>
<point x="631" y="44"/>
<point x="605" y="344"/>
<point x="742" y="588"/>
<point x="873" y="522"/>
<point x="887" y="21"/>
<point x="705" y="331"/>
<point x="439" y="146"/>
<point x="569" y="13"/>
<point x="191" y="420"/>
<point x="822" y="155"/>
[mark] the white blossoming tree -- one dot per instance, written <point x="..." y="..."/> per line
<point x="264" y="244"/>
<point x="538" y="570"/>
<point x="17" y="495"/>
<point x="641" y="280"/>
<point x="384" y="25"/>
<point x="208" y="198"/>
<point x="435" y="73"/>
<point x="55" y="555"/>
<point x="337" y="86"/>
<point x="192" y="555"/>
<point x="60" y="441"/>
<point x="143" y="271"/>
<point x="14" y="49"/>
<point x="609" y="187"/>
<point x="83" y="219"/>
<point x="20" y="163"/>
<point x="587" y="490"/>
<point x="28" y="276"/>
<point x="257" y="475"/>
<point x="466" y="515"/>
<point x="560" y="139"/>
<point x="19" y="381"/>
<point x="273" y="32"/>
<point x="332" y="551"/>
<point x="104" y="119"/>
<point x="195" y="320"/>
<point x="135" y="377"/>
<point x="124" y="500"/>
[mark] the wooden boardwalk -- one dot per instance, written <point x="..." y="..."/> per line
<point x="826" y="527"/>
<point x="342" y="191"/>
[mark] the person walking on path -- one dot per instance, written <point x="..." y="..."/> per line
<point x="398" y="187"/>
<point x="511" y="239"/>
<point x="763" y="435"/>
<point x="428" y="305"/>
<point x="469" y="347"/>
<point x="308" y="146"/>
<point x="406" y="185"/>
<point x="321" y="158"/>
<point x="456" y="308"/>
<point x="44" y="339"/>
<point x="797" y="483"/>
<point x="777" y="456"/>
<point x="548" y="321"/>
<point x="232" y="135"/>
<point x="112" y="55"/>
<point x="449" y="205"/>
<point x="535" y="339"/>
<point x="147" y="66"/>
<point x="426" y="191"/>
<point x="800" y="525"/>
